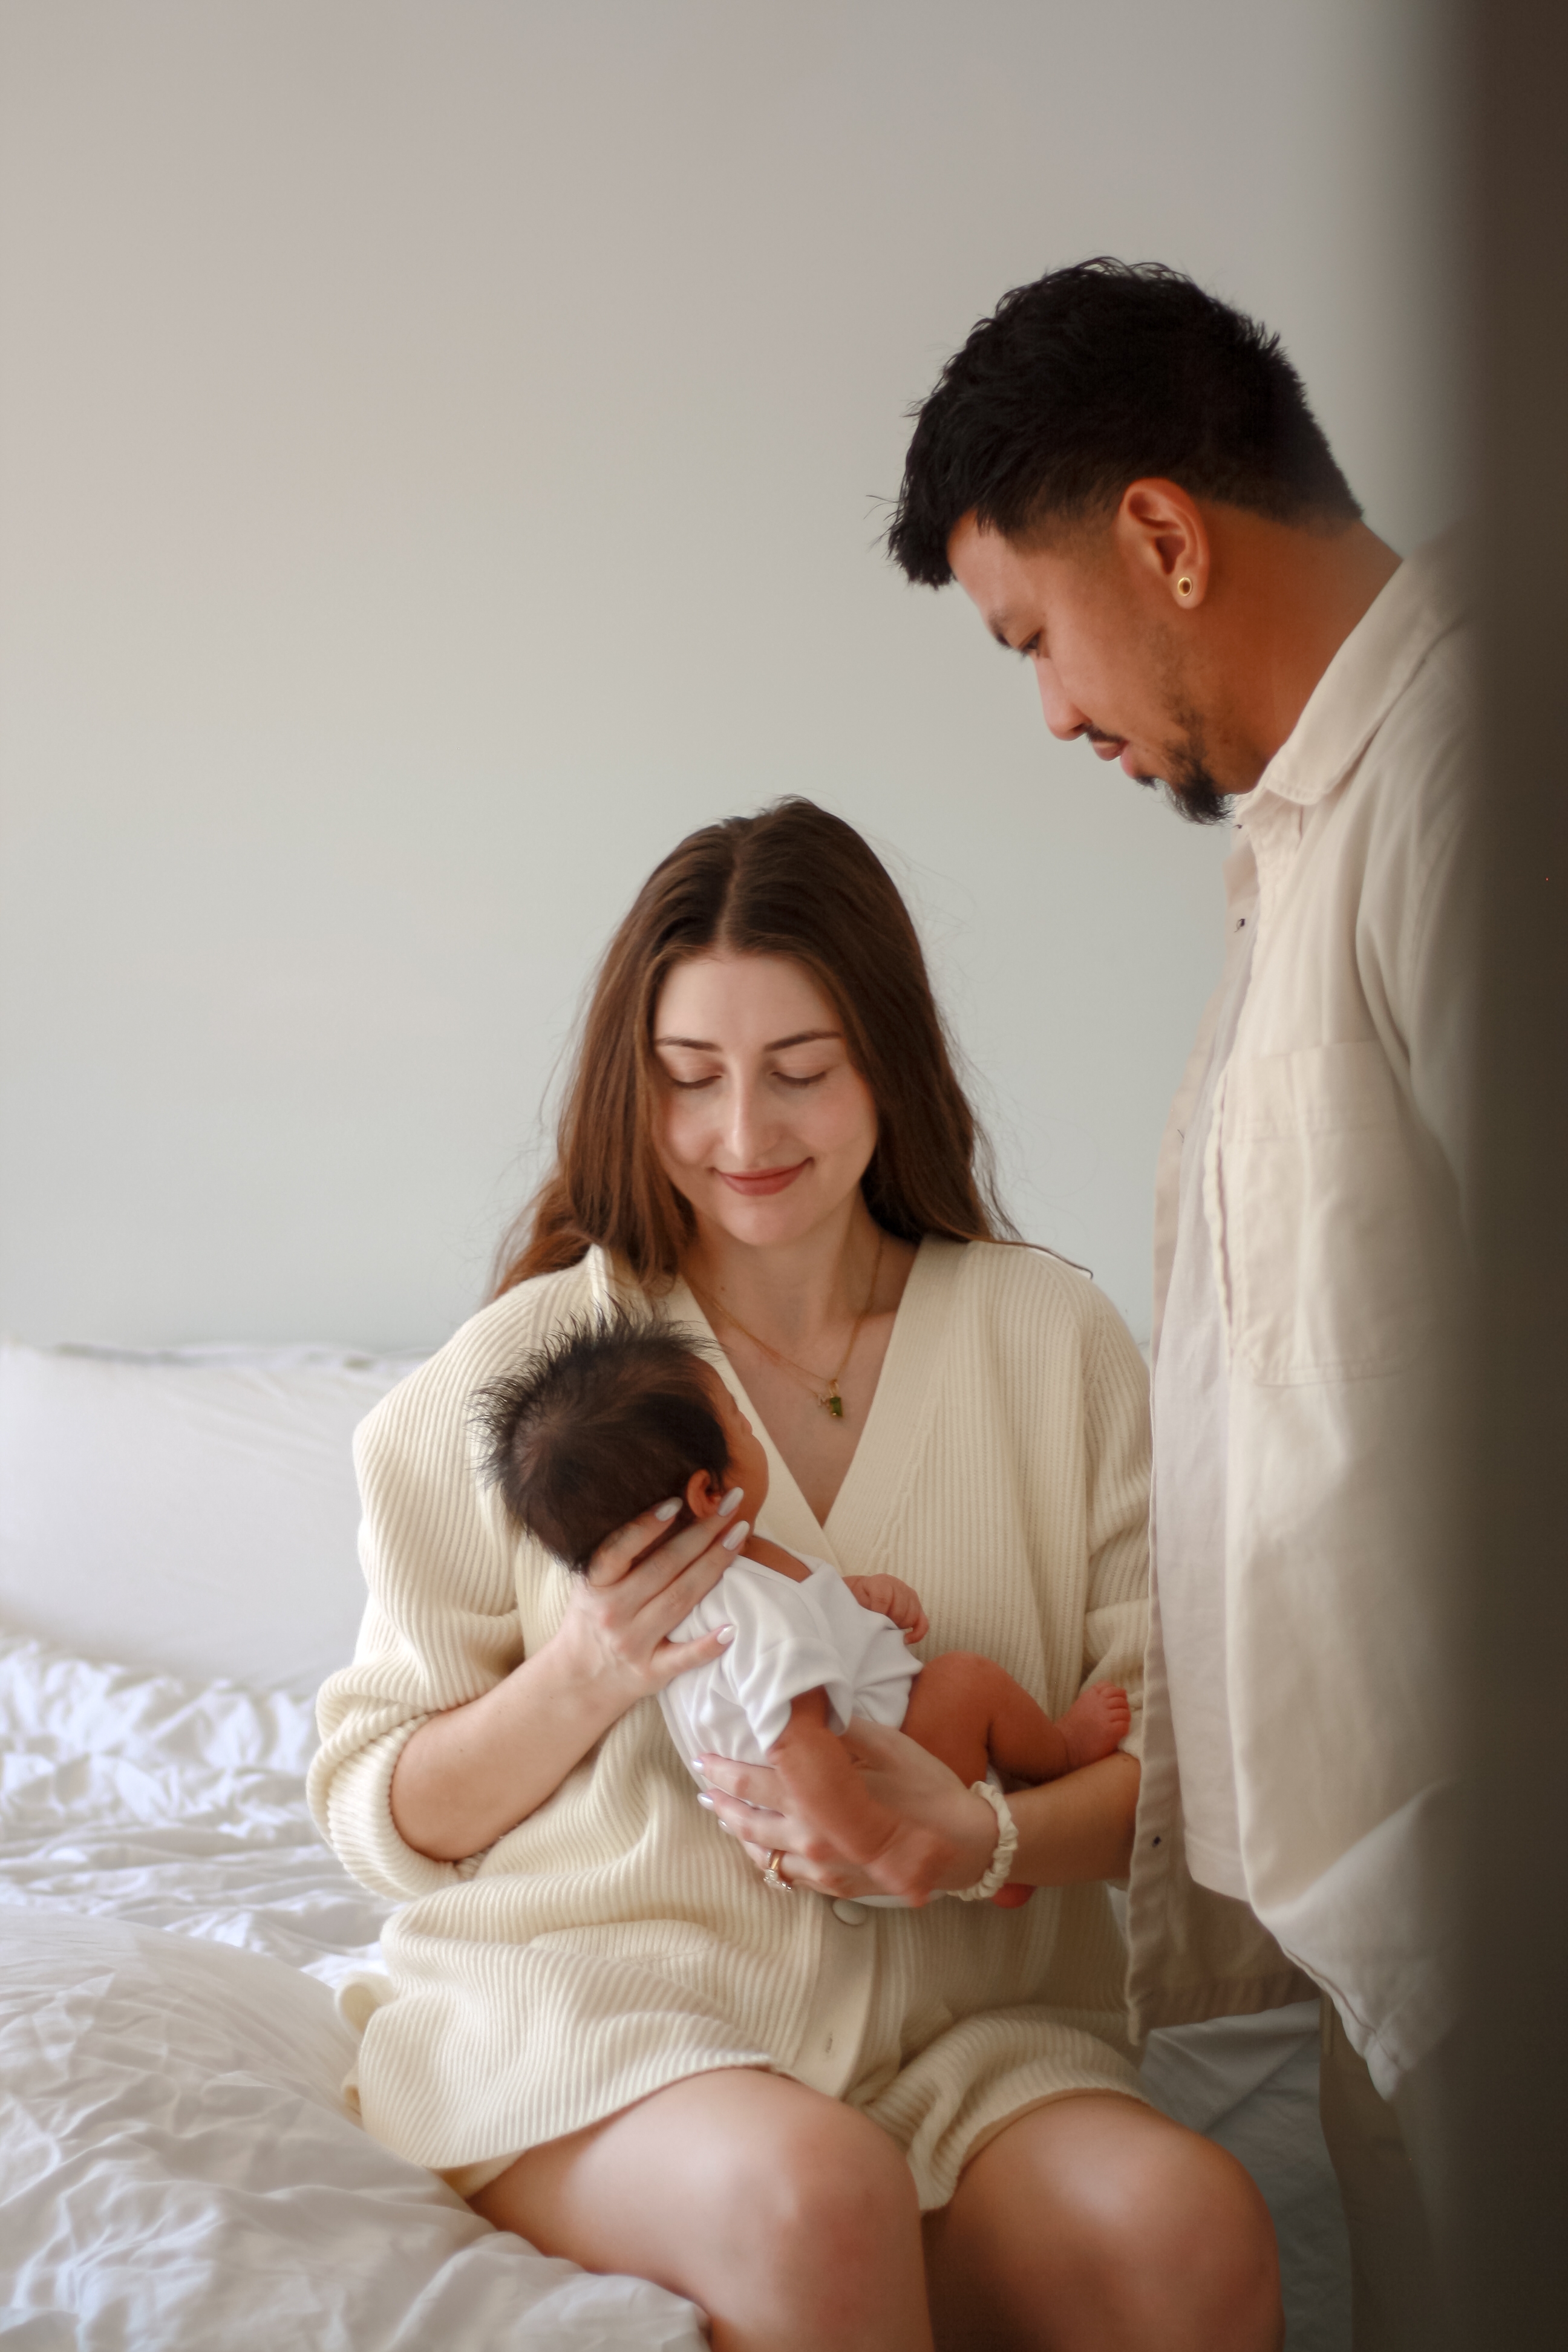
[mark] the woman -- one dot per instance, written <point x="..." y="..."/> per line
<point x="829" y="2125"/>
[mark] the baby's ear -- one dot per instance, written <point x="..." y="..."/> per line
<point x="703" y="1494"/>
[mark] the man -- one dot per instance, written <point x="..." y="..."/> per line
<point x="1124" y="476"/>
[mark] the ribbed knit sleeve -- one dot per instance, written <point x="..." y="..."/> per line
<point x="441" y="1625"/>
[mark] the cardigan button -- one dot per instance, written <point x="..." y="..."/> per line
<point x="852" y="1914"/>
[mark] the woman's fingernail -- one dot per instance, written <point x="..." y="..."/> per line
<point x="726" y="1633"/>
<point x="703" y="1799"/>
<point x="732" y="1501"/>
<point x="737" y="1535"/>
<point x="668" y="1510"/>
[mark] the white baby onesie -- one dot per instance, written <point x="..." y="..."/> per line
<point x="789" y="1638"/>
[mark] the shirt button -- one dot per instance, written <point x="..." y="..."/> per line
<point x="852" y="1914"/>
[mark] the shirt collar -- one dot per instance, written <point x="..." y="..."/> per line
<point x="1422" y="603"/>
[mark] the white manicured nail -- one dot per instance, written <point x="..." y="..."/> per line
<point x="705" y="1800"/>
<point x="732" y="1501"/>
<point x="668" y="1510"/>
<point x="737" y="1535"/>
<point x="726" y="1633"/>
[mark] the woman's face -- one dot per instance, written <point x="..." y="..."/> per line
<point x="764" y="1123"/>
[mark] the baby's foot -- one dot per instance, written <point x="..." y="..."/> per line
<point x="1095" y="1724"/>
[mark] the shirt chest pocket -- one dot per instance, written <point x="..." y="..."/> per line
<point x="1315" y="1205"/>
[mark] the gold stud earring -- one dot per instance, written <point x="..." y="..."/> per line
<point x="1184" y="585"/>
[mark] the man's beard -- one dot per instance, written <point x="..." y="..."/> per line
<point x="1189" y="782"/>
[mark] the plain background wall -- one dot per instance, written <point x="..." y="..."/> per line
<point x="440" y="455"/>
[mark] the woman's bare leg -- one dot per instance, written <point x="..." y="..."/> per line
<point x="791" y="2219"/>
<point x="1095" y="2225"/>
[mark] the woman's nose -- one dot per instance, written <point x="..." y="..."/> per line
<point x="1063" y="716"/>
<point x="744" y="1126"/>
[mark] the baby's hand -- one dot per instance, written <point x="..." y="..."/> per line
<point x="889" y="1596"/>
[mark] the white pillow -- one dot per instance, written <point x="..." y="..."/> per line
<point x="178" y="2169"/>
<point x="194" y="1510"/>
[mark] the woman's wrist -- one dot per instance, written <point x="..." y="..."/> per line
<point x="975" y="1834"/>
<point x="577" y="1684"/>
<point x="998" y="1866"/>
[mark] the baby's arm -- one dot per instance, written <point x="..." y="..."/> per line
<point x="889" y="1596"/>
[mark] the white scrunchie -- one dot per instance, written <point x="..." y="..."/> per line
<point x="1006" y="1846"/>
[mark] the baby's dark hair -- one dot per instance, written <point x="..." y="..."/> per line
<point x="611" y="1417"/>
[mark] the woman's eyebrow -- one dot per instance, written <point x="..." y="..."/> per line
<point x="776" y="1045"/>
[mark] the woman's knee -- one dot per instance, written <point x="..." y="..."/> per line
<point x="746" y="2191"/>
<point x="1187" y="2238"/>
<point x="836" y="2190"/>
<point x="1142" y="2234"/>
<point x="816" y="2233"/>
<point x="1212" y="2231"/>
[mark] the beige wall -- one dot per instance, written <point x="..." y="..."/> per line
<point x="438" y="454"/>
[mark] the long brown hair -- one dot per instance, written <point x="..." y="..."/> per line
<point x="792" y="881"/>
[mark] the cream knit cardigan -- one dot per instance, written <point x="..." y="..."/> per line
<point x="617" y="1941"/>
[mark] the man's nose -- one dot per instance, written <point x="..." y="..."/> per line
<point x="1063" y="716"/>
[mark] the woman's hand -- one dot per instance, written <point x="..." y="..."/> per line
<point x="946" y="1837"/>
<point x="469" y="1775"/>
<point x="1072" y="1831"/>
<point x="640" y="1583"/>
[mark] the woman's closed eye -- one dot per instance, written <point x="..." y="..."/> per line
<point x="785" y="1078"/>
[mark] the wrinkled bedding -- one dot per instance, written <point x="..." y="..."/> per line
<point x="135" y="1796"/>
<point x="177" y="2168"/>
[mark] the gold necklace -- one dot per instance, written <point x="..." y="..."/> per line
<point x="830" y="1398"/>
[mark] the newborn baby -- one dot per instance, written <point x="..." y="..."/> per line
<point x="615" y="1416"/>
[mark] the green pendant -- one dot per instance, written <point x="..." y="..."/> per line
<point x="834" y="1402"/>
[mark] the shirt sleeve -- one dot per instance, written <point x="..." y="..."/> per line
<point x="1439" y="996"/>
<point x="1117" y="1453"/>
<point x="441" y="1622"/>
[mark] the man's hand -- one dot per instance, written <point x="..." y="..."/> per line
<point x="889" y="1596"/>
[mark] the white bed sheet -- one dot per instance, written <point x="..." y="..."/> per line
<point x="178" y="2169"/>
<point x="136" y="1796"/>
<point x="182" y="2175"/>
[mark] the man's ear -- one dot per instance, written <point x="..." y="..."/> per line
<point x="1162" y="534"/>
<point x="702" y="1494"/>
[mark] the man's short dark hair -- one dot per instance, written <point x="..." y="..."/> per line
<point x="610" y="1418"/>
<point x="1092" y="378"/>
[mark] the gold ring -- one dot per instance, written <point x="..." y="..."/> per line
<point x="773" y="1876"/>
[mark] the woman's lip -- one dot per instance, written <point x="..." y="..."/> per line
<point x="757" y="1182"/>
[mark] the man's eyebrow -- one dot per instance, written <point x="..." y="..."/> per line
<point x="775" y="1045"/>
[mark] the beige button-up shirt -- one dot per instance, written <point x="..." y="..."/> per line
<point x="1334" y="1174"/>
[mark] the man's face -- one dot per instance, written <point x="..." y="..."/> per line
<point x="1108" y="654"/>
